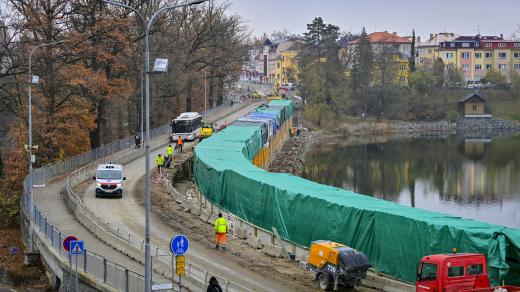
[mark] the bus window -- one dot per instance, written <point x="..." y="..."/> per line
<point x="182" y="126"/>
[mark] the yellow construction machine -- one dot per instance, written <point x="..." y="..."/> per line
<point x="206" y="131"/>
<point x="336" y="265"/>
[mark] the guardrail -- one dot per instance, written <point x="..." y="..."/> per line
<point x="101" y="268"/>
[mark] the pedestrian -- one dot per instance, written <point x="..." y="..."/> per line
<point x="160" y="163"/>
<point x="221" y="229"/>
<point x="213" y="285"/>
<point x="137" y="140"/>
<point x="180" y="142"/>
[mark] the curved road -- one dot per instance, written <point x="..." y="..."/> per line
<point x="128" y="214"/>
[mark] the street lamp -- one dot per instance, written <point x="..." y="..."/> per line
<point x="147" y="24"/>
<point x="33" y="80"/>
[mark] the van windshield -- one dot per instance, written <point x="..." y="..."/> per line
<point x="109" y="174"/>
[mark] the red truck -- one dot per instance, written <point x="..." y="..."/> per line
<point x="456" y="272"/>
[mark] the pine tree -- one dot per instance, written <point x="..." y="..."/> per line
<point x="411" y="64"/>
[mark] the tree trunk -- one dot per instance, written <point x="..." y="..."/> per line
<point x="189" y="93"/>
<point x="95" y="135"/>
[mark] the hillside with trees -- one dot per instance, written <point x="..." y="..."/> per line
<point x="89" y="92"/>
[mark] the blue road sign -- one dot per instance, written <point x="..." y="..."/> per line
<point x="179" y="245"/>
<point x="77" y="247"/>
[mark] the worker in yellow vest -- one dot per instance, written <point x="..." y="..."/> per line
<point x="160" y="163"/>
<point x="221" y="229"/>
<point x="169" y="151"/>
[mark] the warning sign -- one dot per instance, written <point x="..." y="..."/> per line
<point x="77" y="247"/>
<point x="180" y="265"/>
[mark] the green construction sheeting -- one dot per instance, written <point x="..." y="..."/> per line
<point x="394" y="237"/>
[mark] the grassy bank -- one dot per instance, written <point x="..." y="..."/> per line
<point x="441" y="105"/>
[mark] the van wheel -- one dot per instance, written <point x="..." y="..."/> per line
<point x="324" y="282"/>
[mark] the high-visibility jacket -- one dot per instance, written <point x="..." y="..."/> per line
<point x="221" y="225"/>
<point x="179" y="141"/>
<point x="169" y="150"/>
<point x="159" y="160"/>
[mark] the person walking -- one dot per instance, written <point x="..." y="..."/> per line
<point x="180" y="142"/>
<point x="137" y="140"/>
<point x="221" y="229"/>
<point x="160" y="163"/>
<point x="213" y="285"/>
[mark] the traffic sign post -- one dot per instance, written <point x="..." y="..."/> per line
<point x="76" y="248"/>
<point x="66" y="246"/>
<point x="179" y="246"/>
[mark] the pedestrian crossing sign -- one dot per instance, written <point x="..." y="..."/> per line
<point x="77" y="248"/>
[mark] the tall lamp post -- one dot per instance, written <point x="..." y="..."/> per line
<point x="147" y="24"/>
<point x="32" y="80"/>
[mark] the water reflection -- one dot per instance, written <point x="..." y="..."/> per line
<point x="468" y="177"/>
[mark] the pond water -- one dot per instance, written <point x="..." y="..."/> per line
<point x="477" y="178"/>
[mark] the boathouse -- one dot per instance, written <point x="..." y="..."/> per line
<point x="474" y="105"/>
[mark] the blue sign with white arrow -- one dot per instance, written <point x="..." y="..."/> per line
<point x="77" y="247"/>
<point x="179" y="245"/>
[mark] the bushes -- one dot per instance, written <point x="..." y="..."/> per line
<point x="9" y="210"/>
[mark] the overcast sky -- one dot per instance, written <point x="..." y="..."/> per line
<point x="458" y="16"/>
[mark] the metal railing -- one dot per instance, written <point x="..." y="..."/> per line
<point x="103" y="269"/>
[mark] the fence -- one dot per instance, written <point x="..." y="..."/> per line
<point x="99" y="267"/>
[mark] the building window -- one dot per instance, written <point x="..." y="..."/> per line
<point x="516" y="66"/>
<point x="488" y="66"/>
<point x="452" y="45"/>
<point x="488" y="45"/>
<point x="402" y="67"/>
<point x="478" y="66"/>
<point x="465" y="55"/>
<point x="449" y="55"/>
<point x="502" y="66"/>
<point x="402" y="78"/>
<point x="516" y="55"/>
<point x="517" y="45"/>
<point x="474" y="107"/>
<point x="501" y="45"/>
<point x="502" y="55"/>
<point x="465" y="67"/>
<point x="465" y="45"/>
<point x="430" y="51"/>
<point x="478" y="55"/>
<point x="489" y="55"/>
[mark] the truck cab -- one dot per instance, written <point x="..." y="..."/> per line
<point x="109" y="180"/>
<point x="452" y="273"/>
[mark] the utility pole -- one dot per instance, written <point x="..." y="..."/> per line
<point x="30" y="146"/>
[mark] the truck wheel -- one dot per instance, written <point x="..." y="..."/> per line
<point x="324" y="282"/>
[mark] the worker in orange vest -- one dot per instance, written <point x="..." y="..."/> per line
<point x="179" y="143"/>
<point x="221" y="229"/>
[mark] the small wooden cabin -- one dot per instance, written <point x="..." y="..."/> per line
<point x="474" y="105"/>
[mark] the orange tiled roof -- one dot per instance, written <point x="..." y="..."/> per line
<point x="384" y="37"/>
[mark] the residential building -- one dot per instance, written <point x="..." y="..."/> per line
<point x="475" y="55"/>
<point x="287" y="66"/>
<point x="272" y="53"/>
<point x="428" y="51"/>
<point x="385" y="43"/>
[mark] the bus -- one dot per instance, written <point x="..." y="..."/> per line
<point x="187" y="126"/>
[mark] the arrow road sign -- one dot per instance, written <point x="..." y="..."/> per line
<point x="77" y="247"/>
<point x="179" y="245"/>
<point x="67" y="240"/>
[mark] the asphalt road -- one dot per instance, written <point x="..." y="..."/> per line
<point x="128" y="214"/>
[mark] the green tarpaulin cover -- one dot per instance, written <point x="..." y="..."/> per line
<point x="394" y="237"/>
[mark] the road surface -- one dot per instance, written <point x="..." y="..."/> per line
<point x="128" y="214"/>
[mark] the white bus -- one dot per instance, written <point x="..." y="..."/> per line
<point x="187" y="126"/>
